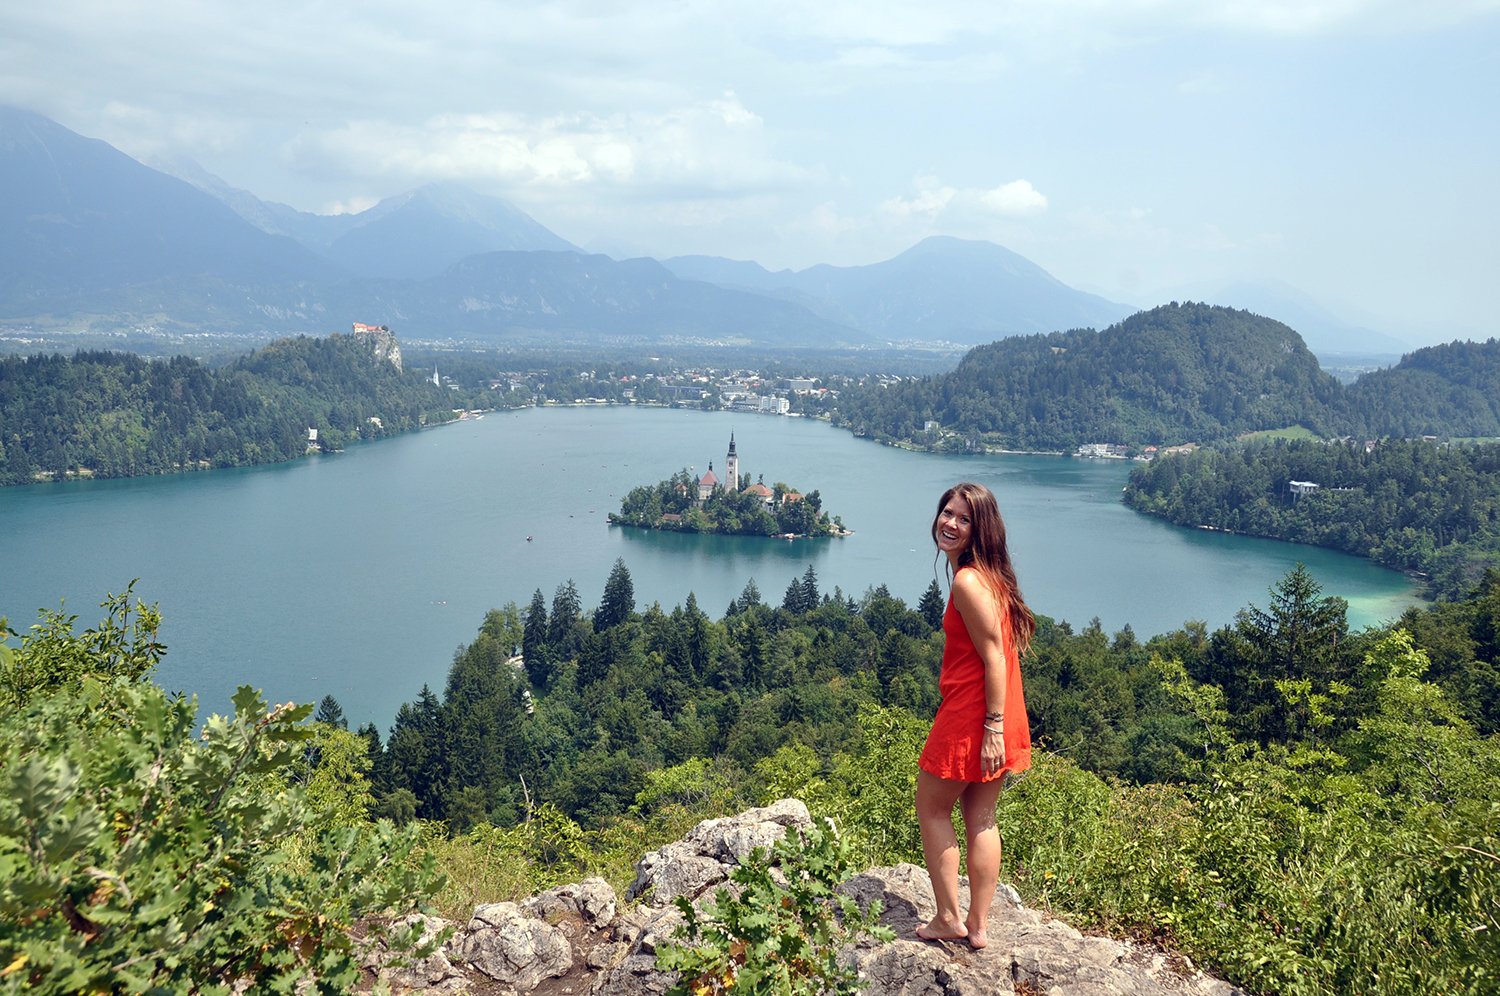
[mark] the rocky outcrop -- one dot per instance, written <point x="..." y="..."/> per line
<point x="577" y="940"/>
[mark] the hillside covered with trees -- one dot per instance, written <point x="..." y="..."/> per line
<point x="1447" y="390"/>
<point x="1428" y="508"/>
<point x="108" y="414"/>
<point x="1174" y="374"/>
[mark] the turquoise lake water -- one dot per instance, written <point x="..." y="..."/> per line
<point x="359" y="574"/>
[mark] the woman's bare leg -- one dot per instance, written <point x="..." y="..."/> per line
<point x="935" y="799"/>
<point x="979" y="799"/>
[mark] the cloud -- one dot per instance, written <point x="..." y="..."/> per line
<point x="712" y="147"/>
<point x="933" y="199"/>
<point x="930" y="200"/>
<point x="1016" y="199"/>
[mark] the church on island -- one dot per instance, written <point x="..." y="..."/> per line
<point x="731" y="504"/>
<point x="731" y="482"/>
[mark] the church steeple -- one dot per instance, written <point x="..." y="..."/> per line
<point x="732" y="467"/>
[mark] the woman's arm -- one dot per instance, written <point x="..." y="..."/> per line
<point x="980" y="610"/>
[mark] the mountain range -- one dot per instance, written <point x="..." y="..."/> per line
<point x="93" y="239"/>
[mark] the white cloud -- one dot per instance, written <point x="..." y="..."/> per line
<point x="716" y="146"/>
<point x="930" y="200"/>
<point x="1016" y="198"/>
<point x="933" y="199"/>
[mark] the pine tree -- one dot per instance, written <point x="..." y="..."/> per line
<point x="810" y="596"/>
<point x="331" y="713"/>
<point x="793" y="601"/>
<point x="534" y="641"/>
<point x="932" y="605"/>
<point x="567" y="610"/>
<point x="1301" y="636"/>
<point x="619" y="598"/>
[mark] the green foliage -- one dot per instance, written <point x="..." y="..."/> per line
<point x="104" y="414"/>
<point x="1292" y="871"/>
<point x="1408" y="504"/>
<point x="1447" y="390"/>
<point x="138" y="853"/>
<point x="673" y="504"/>
<point x="52" y="656"/>
<point x="775" y="935"/>
<point x="1173" y="374"/>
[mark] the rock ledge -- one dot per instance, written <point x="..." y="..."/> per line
<point x="575" y="940"/>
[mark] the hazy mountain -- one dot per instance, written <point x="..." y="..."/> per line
<point x="509" y="294"/>
<point x="85" y="228"/>
<point x="425" y="231"/>
<point x="940" y="289"/>
<point x="87" y="233"/>
<point x="416" y="234"/>
<point x="269" y="216"/>
<point x="1325" y="333"/>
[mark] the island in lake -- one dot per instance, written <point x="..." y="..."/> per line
<point x="731" y="505"/>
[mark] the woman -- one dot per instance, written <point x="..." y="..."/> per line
<point x="981" y="732"/>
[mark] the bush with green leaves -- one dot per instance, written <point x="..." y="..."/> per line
<point x="780" y="932"/>
<point x="142" y="853"/>
<point x="1370" y="868"/>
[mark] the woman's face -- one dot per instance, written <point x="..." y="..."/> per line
<point x="954" y="530"/>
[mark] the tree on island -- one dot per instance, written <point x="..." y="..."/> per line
<point x="674" y="504"/>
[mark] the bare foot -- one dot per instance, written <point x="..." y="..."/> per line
<point x="978" y="938"/>
<point x="942" y="930"/>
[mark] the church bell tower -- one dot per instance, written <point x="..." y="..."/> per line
<point x="732" y="468"/>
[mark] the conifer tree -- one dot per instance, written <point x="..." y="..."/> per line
<point x="619" y="598"/>
<point x="932" y="605"/>
<point x="567" y="610"/>
<point x="534" y="641"/>
<point x="793" y="601"/>
<point x="331" y="713"/>
<point x="810" y="597"/>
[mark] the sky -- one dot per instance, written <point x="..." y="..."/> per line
<point x="1145" y="150"/>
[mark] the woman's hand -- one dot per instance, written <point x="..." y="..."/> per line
<point x="992" y="752"/>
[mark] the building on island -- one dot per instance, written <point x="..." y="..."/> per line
<point x="731" y="482"/>
<point x="707" y="483"/>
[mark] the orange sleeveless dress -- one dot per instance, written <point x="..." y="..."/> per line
<point x="952" y="748"/>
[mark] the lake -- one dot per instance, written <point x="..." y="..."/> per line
<point x="359" y="574"/>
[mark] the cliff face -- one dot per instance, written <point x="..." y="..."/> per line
<point x="580" y="939"/>
<point x="384" y="345"/>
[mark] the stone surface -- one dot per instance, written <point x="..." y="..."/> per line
<point x="575" y="940"/>
<point x="510" y="947"/>
<point x="703" y="859"/>
<point x="592" y="902"/>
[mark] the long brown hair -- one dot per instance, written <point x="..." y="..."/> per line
<point x="989" y="554"/>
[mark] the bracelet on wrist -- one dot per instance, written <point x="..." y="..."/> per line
<point x="994" y="729"/>
<point x="995" y="716"/>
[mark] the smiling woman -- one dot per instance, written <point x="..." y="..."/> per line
<point x="981" y="732"/>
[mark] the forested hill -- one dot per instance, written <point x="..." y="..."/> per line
<point x="1175" y="373"/>
<point x="1447" y="390"/>
<point x="106" y="414"/>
